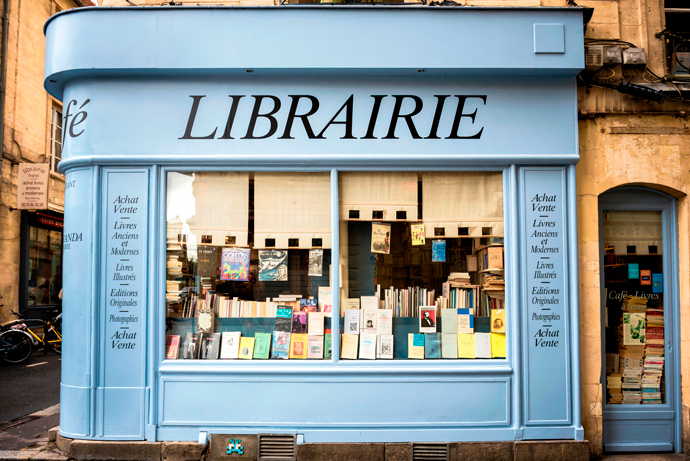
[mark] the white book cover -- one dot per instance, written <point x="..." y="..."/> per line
<point x="384" y="322"/>
<point x="449" y="345"/>
<point x="384" y="347"/>
<point x="315" y="323"/>
<point x="482" y="345"/>
<point x="325" y="300"/>
<point x="466" y="321"/>
<point x="367" y="346"/>
<point x="352" y="303"/>
<point x="369" y="302"/>
<point x="315" y="346"/>
<point x="351" y="321"/>
<point x="230" y="348"/>
<point x="449" y="321"/>
<point x="368" y="321"/>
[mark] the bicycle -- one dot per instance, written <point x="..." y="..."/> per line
<point x="50" y="336"/>
<point x="16" y="345"/>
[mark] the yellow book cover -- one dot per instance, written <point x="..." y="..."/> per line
<point x="418" y="234"/>
<point x="498" y="345"/>
<point x="466" y="348"/>
<point x="415" y="345"/>
<point x="246" y="348"/>
<point x="349" y="345"/>
<point x="498" y="321"/>
<point x="298" y="345"/>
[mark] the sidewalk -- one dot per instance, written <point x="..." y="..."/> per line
<point x="32" y="437"/>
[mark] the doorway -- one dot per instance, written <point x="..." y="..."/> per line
<point x="639" y="303"/>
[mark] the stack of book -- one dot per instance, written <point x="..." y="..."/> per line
<point x="653" y="375"/>
<point x="614" y="386"/>
<point x="631" y="357"/>
<point x="459" y="278"/>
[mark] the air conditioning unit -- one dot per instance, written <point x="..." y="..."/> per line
<point x="594" y="57"/>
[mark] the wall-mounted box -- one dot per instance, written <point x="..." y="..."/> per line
<point x="634" y="57"/>
<point x="613" y="55"/>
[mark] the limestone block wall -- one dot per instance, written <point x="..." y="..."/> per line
<point x="617" y="150"/>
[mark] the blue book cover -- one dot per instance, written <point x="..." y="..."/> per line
<point x="482" y="324"/>
<point x="418" y="340"/>
<point x="633" y="271"/>
<point x="657" y="283"/>
<point x="432" y="345"/>
<point x="438" y="251"/>
<point x="281" y="345"/>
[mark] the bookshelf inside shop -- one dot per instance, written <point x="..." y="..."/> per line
<point x="634" y="321"/>
<point x="407" y="291"/>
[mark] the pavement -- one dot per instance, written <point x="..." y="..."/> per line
<point x="32" y="436"/>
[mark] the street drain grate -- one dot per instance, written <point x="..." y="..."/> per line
<point x="17" y="422"/>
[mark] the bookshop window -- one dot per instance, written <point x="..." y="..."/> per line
<point x="248" y="266"/>
<point x="634" y="307"/>
<point x="422" y="265"/>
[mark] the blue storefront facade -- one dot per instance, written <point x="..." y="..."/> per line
<point x="247" y="95"/>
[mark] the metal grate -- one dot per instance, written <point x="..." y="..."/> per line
<point x="430" y="451"/>
<point x="274" y="447"/>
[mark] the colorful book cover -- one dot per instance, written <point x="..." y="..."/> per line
<point x="466" y="346"/>
<point x="415" y="345"/>
<point x="281" y="345"/>
<point x="384" y="347"/>
<point x="633" y="271"/>
<point x="427" y="319"/>
<point x="298" y="345"/>
<point x="299" y="322"/>
<point x="465" y="321"/>
<point x="418" y="234"/>
<point x="380" y="238"/>
<point x="210" y="346"/>
<point x="315" y="263"/>
<point x="645" y="277"/>
<point x="308" y="305"/>
<point x="657" y="283"/>
<point x="432" y="345"/>
<point x="449" y="345"/>
<point x="247" y="347"/>
<point x="634" y="328"/>
<point x="325" y="301"/>
<point x="498" y="321"/>
<point x="315" y="347"/>
<point x="498" y="345"/>
<point x="284" y="319"/>
<point x="262" y="345"/>
<point x="273" y="266"/>
<point x="234" y="264"/>
<point x="438" y="251"/>
<point x="172" y="346"/>
<point x="327" y="346"/>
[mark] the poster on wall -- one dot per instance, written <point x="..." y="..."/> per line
<point x="316" y="263"/>
<point x="418" y="234"/>
<point x="273" y="266"/>
<point x="207" y="261"/>
<point x="235" y="264"/>
<point x="438" y="251"/>
<point x="380" y="238"/>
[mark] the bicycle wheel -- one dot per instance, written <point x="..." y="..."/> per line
<point x="52" y="338"/>
<point x="22" y="347"/>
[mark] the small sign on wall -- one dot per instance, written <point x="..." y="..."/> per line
<point x="32" y="191"/>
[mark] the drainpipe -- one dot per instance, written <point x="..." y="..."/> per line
<point x="3" y="79"/>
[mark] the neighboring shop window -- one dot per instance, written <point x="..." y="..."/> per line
<point x="249" y="264"/>
<point x="55" y="137"/>
<point x="44" y="266"/>
<point x="634" y="293"/>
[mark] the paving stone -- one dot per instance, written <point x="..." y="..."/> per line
<point x="63" y="443"/>
<point x="340" y="451"/>
<point x="17" y="454"/>
<point x="398" y="451"/>
<point x="181" y="451"/>
<point x="116" y="451"/>
<point x="561" y="450"/>
<point x="486" y="451"/>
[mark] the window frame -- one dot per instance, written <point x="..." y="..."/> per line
<point x="507" y="365"/>
<point x="54" y="110"/>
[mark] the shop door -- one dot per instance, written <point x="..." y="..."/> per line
<point x="638" y="244"/>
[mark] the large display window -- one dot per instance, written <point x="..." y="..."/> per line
<point x="249" y="266"/>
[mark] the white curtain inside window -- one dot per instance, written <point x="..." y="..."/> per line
<point x="387" y="192"/>
<point x="292" y="206"/>
<point x="640" y="229"/>
<point x="212" y="204"/>
<point x="467" y="199"/>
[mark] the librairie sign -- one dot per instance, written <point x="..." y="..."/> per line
<point x="32" y="193"/>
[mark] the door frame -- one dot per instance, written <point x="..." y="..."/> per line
<point x="637" y="198"/>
